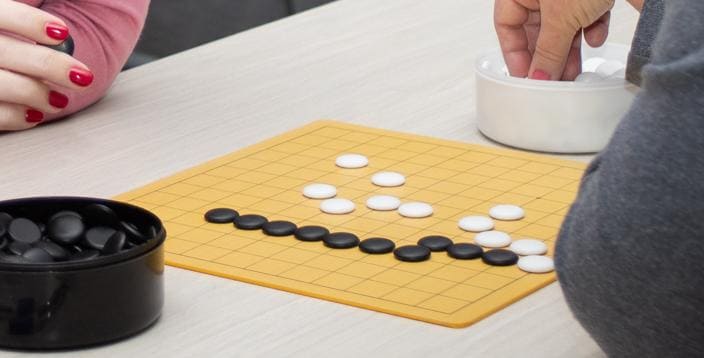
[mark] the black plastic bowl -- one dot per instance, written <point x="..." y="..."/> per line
<point x="84" y="303"/>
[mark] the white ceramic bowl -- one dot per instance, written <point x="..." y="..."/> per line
<point x="551" y="116"/>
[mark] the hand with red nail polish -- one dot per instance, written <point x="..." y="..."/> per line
<point x="27" y="68"/>
<point x="541" y="39"/>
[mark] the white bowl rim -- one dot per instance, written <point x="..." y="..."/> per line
<point x="545" y="85"/>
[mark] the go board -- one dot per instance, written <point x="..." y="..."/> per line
<point x="457" y="179"/>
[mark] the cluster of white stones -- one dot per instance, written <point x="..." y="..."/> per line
<point x="597" y="69"/>
<point x="531" y="251"/>
<point x="384" y="179"/>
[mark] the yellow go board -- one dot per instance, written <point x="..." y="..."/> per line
<point x="457" y="179"/>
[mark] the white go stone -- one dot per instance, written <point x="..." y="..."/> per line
<point x="507" y="212"/>
<point x="415" y="210"/>
<point x="352" y="161"/>
<point x="589" y="77"/>
<point x="526" y="247"/>
<point x="388" y="179"/>
<point x="620" y="74"/>
<point x="476" y="223"/>
<point x="337" y="206"/>
<point x="319" y="191"/>
<point x="383" y="202"/>
<point x="492" y="239"/>
<point x="610" y="67"/>
<point x="590" y="64"/>
<point x="536" y="264"/>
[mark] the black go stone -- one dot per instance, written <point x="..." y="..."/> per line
<point x="96" y="237"/>
<point x="115" y="243"/>
<point x="221" y="215"/>
<point x="66" y="229"/>
<point x="24" y="230"/>
<point x="153" y="232"/>
<point x="311" y="233"/>
<point x="85" y="255"/>
<point x="3" y="242"/>
<point x="67" y="47"/>
<point x="341" y="240"/>
<point x="500" y="257"/>
<point x="100" y="215"/>
<point x="56" y="252"/>
<point x="37" y="255"/>
<point x="5" y="219"/>
<point x="133" y="232"/>
<point x="465" y="251"/>
<point x="65" y="213"/>
<point x="18" y="248"/>
<point x="435" y="242"/>
<point x="412" y="253"/>
<point x="250" y="222"/>
<point x="377" y="245"/>
<point x="279" y="228"/>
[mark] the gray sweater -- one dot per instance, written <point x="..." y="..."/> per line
<point x="630" y="256"/>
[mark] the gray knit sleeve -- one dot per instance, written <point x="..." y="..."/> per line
<point x="648" y="27"/>
<point x="630" y="254"/>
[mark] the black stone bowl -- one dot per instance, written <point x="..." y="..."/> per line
<point x="77" y="304"/>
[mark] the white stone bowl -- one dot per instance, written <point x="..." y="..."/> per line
<point x="551" y="116"/>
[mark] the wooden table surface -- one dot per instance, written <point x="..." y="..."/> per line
<point x="398" y="64"/>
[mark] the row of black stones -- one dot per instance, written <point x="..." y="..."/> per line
<point x="377" y="245"/>
<point x="67" y="235"/>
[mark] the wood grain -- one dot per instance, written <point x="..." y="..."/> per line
<point x="398" y="64"/>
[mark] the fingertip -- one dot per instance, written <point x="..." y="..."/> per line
<point x="55" y="31"/>
<point x="596" y="35"/>
<point x="540" y="75"/>
<point x="33" y="116"/>
<point x="81" y="77"/>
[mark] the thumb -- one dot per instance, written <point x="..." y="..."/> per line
<point x="551" y="51"/>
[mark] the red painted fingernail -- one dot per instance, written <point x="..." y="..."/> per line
<point x="540" y="75"/>
<point x="58" y="100"/>
<point x="81" y="77"/>
<point x="33" y="116"/>
<point x="56" y="31"/>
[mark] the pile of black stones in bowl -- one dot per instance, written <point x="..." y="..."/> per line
<point x="92" y="231"/>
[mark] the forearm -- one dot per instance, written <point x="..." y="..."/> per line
<point x="630" y="257"/>
<point x="105" y="33"/>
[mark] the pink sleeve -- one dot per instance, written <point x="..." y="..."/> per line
<point x="105" y="33"/>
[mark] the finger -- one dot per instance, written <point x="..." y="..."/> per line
<point x="637" y="4"/>
<point x="43" y="63"/>
<point x="15" y="117"/>
<point x="532" y="28"/>
<point x="32" y="23"/>
<point x="573" y="66"/>
<point x="551" y="49"/>
<point x="20" y="89"/>
<point x="596" y="33"/>
<point x="509" y="17"/>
